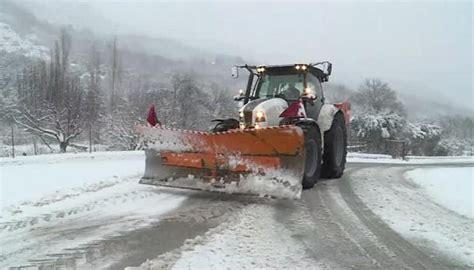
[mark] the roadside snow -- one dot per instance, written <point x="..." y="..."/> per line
<point x="387" y="159"/>
<point x="408" y="209"/>
<point x="451" y="187"/>
<point x="33" y="177"/>
<point x="51" y="203"/>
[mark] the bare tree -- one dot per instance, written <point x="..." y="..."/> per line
<point x="51" y="100"/>
<point x="93" y="104"/>
<point x="191" y="105"/>
<point x="115" y="75"/>
<point x="120" y="130"/>
<point x="377" y="97"/>
<point x="222" y="101"/>
<point x="5" y="76"/>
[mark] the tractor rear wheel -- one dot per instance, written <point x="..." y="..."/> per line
<point x="335" y="148"/>
<point x="313" y="156"/>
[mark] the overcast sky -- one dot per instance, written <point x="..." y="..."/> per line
<point x="425" y="47"/>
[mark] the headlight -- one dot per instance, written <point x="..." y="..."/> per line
<point x="260" y="116"/>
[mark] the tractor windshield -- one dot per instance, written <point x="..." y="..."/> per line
<point x="287" y="86"/>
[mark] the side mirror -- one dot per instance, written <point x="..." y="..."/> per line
<point x="235" y="72"/>
<point x="240" y="96"/>
<point x="329" y="69"/>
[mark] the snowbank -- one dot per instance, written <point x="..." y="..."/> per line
<point x="451" y="187"/>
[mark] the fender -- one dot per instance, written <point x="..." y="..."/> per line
<point x="345" y="107"/>
<point x="328" y="111"/>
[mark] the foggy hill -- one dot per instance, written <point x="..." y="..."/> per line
<point x="34" y="26"/>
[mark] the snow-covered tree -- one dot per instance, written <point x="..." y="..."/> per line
<point x="375" y="129"/>
<point x="452" y="146"/>
<point x="423" y="138"/>
<point x="51" y="100"/>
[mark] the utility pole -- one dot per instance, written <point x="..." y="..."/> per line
<point x="90" y="138"/>
<point x="35" y="146"/>
<point x="13" y="142"/>
<point x="114" y="73"/>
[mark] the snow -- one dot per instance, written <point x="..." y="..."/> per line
<point x="420" y="213"/>
<point x="253" y="242"/>
<point x="61" y="201"/>
<point x="11" y="42"/>
<point x="451" y="187"/>
<point x="32" y="177"/>
<point x="386" y="125"/>
<point x="274" y="184"/>
<point x="253" y="239"/>
<point x="423" y="131"/>
<point x="410" y="160"/>
<point x="165" y="139"/>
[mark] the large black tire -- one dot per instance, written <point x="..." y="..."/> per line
<point x="335" y="148"/>
<point x="313" y="156"/>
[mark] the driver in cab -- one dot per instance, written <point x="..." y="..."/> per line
<point x="291" y="93"/>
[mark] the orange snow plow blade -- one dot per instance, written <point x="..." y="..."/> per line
<point x="266" y="161"/>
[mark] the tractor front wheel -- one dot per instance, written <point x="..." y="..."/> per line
<point x="313" y="157"/>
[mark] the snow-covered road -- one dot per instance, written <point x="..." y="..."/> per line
<point x="373" y="217"/>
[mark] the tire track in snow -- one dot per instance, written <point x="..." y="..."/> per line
<point x="31" y="213"/>
<point x="400" y="204"/>
<point x="407" y="253"/>
<point x="336" y="238"/>
<point x="251" y="238"/>
<point x="80" y="220"/>
<point x="120" y="241"/>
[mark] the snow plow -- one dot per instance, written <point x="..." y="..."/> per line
<point x="284" y="139"/>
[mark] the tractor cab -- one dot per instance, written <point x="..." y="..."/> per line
<point x="272" y="89"/>
<point x="289" y="82"/>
